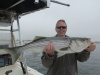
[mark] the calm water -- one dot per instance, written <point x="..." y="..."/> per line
<point x="90" y="67"/>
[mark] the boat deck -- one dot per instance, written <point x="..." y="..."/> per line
<point x="16" y="70"/>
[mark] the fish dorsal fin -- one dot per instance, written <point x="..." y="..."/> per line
<point x="38" y="38"/>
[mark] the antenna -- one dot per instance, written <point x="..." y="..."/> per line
<point x="60" y="3"/>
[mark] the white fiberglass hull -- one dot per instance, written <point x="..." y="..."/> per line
<point x="17" y="70"/>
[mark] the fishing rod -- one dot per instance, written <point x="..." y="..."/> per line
<point x="23" y="69"/>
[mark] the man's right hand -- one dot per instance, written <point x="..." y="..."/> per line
<point x="49" y="49"/>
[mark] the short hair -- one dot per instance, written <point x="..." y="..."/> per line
<point x="61" y="20"/>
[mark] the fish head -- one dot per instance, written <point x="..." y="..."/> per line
<point x="79" y="45"/>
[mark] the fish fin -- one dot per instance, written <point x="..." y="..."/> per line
<point x="38" y="38"/>
<point x="64" y="49"/>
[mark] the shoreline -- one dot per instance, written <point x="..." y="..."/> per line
<point x="96" y="42"/>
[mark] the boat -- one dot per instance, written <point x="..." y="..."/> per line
<point x="11" y="10"/>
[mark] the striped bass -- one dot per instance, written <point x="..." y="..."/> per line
<point x="63" y="45"/>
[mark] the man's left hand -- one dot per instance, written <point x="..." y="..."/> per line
<point x="91" y="48"/>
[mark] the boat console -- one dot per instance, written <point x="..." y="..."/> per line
<point x="5" y="60"/>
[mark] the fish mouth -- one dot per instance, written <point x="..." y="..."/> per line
<point x="64" y="49"/>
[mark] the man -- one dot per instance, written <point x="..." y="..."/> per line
<point x="67" y="64"/>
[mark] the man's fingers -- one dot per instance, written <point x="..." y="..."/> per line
<point x="49" y="49"/>
<point x="91" y="48"/>
<point x="53" y="48"/>
<point x="45" y="49"/>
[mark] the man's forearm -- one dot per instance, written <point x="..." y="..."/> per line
<point x="47" y="61"/>
<point x="83" y="56"/>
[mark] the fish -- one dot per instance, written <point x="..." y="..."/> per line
<point x="63" y="45"/>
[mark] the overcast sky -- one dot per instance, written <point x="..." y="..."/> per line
<point x="82" y="18"/>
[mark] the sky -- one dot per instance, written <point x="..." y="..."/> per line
<point x="82" y="18"/>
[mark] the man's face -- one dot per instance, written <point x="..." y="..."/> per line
<point x="62" y="28"/>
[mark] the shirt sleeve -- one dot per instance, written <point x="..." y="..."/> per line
<point x="83" y="56"/>
<point x="47" y="60"/>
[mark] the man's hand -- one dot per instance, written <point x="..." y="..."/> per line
<point x="91" y="47"/>
<point x="49" y="49"/>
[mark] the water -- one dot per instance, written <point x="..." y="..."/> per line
<point x="89" y="67"/>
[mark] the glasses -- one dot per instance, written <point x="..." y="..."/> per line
<point x="63" y="27"/>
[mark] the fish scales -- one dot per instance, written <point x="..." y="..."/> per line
<point x="58" y="42"/>
<point x="63" y="45"/>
